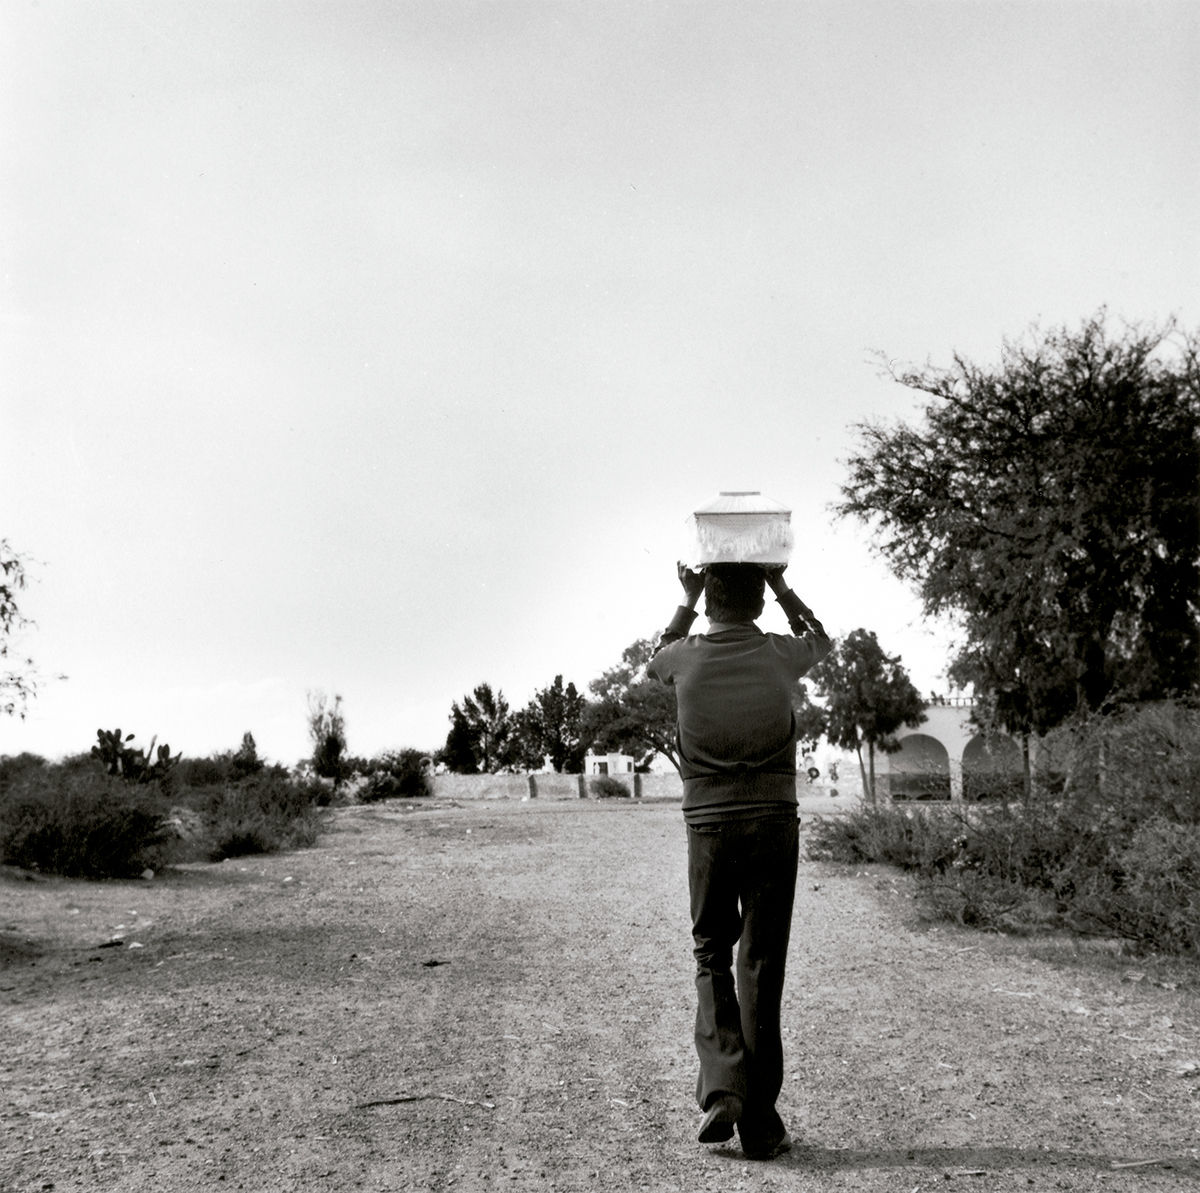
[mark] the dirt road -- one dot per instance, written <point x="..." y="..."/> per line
<point x="498" y="995"/>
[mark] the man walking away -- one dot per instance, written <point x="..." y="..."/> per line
<point x="737" y="752"/>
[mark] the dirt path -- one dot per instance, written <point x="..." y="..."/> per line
<point x="498" y="996"/>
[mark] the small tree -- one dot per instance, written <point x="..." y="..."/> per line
<point x="551" y="726"/>
<point x="327" y="729"/>
<point x="869" y="696"/>
<point x="458" y="754"/>
<point x="481" y="733"/>
<point x="245" y="761"/>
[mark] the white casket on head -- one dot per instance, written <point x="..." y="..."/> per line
<point x="739" y="526"/>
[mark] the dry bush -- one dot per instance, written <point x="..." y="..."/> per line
<point x="82" y="824"/>
<point x="1116" y="854"/>
<point x="606" y="787"/>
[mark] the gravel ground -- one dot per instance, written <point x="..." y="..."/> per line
<point x="488" y="996"/>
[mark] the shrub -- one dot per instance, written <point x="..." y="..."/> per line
<point x="911" y="838"/>
<point x="204" y="772"/>
<point x="1145" y="758"/>
<point x="245" y="761"/>
<point x="1116" y="853"/>
<point x="72" y="819"/>
<point x="262" y="814"/>
<point x="1158" y="897"/>
<point x="82" y="824"/>
<point x="397" y="774"/>
<point x="220" y="768"/>
<point x="606" y="787"/>
<point x="15" y="768"/>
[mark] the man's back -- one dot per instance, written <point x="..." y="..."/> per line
<point x="734" y="690"/>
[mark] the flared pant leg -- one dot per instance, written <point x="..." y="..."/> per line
<point x="742" y="880"/>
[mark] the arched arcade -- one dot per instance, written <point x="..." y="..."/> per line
<point x="946" y="757"/>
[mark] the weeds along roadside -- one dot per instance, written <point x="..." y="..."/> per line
<point x="120" y="812"/>
<point x="70" y="819"/>
<point x="1115" y="853"/>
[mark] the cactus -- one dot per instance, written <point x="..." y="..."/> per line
<point x="134" y="765"/>
<point x="111" y="749"/>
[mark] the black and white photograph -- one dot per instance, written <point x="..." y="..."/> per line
<point x="600" y="595"/>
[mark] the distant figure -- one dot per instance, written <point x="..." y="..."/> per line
<point x="736" y="737"/>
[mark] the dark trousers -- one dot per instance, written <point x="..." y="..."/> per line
<point x="742" y="878"/>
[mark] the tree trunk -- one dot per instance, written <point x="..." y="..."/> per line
<point x="1027" y="773"/>
<point x="1102" y="765"/>
<point x="871" y="755"/>
<point x="868" y="790"/>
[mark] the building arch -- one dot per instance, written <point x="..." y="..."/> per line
<point x="992" y="768"/>
<point x="920" y="769"/>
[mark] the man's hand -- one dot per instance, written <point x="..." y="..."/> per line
<point x="774" y="573"/>
<point x="693" y="583"/>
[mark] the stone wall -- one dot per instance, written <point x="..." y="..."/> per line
<point x="551" y="786"/>
<point x="813" y="797"/>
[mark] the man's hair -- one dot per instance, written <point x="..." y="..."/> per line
<point x="733" y="591"/>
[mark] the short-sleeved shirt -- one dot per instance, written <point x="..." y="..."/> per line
<point x="736" y="731"/>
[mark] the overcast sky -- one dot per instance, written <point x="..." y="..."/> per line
<point x="383" y="348"/>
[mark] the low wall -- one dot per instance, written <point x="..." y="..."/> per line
<point x="813" y="797"/>
<point x="551" y="786"/>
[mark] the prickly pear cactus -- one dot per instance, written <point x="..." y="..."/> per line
<point x="134" y="765"/>
<point x="111" y="749"/>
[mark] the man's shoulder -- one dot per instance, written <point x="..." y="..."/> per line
<point x="660" y="660"/>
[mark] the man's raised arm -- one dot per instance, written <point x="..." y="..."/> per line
<point x="685" y="614"/>
<point x="801" y="619"/>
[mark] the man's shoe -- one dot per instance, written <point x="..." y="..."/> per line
<point x="769" y="1149"/>
<point x="720" y="1119"/>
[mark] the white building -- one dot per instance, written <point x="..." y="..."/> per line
<point x="948" y="757"/>
<point x="607" y="764"/>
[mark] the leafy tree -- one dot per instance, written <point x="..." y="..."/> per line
<point x="811" y="719"/>
<point x="631" y="713"/>
<point x="551" y="726"/>
<point x="327" y="729"/>
<point x="868" y="697"/>
<point x="18" y="683"/>
<point x="458" y="754"/>
<point x="526" y="744"/>
<point x="397" y="774"/>
<point x="481" y="733"/>
<point x="1050" y="505"/>
<point x="245" y="761"/>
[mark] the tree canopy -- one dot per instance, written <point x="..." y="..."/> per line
<point x="1052" y="506"/>
<point x="481" y="737"/>
<point x="486" y="736"/>
<point x="551" y="727"/>
<point x="631" y="713"/>
<point x="868" y="697"/>
<point x="327" y="731"/>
